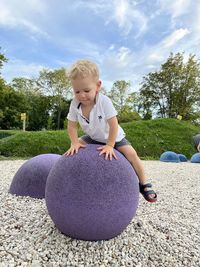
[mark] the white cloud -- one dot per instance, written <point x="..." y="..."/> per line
<point x="155" y="56"/>
<point x="15" y="15"/>
<point x="180" y="7"/>
<point x="128" y="17"/>
<point x="117" y="54"/>
<point x="62" y="63"/>
<point x="112" y="47"/>
<point x="194" y="24"/>
<point x="176" y="8"/>
<point x="151" y="66"/>
<point x="122" y="12"/>
<point x="81" y="47"/>
<point x="18" y="68"/>
<point x="124" y="56"/>
<point x="185" y="22"/>
<point x="173" y="38"/>
<point x="116" y="64"/>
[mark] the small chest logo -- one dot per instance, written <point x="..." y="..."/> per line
<point x="100" y="117"/>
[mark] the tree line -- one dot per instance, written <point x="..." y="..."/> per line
<point x="172" y="90"/>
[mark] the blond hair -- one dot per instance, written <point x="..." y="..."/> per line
<point x="82" y="69"/>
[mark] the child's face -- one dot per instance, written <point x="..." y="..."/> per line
<point x="86" y="89"/>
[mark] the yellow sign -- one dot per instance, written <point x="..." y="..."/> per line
<point x="179" y="117"/>
<point x="23" y="116"/>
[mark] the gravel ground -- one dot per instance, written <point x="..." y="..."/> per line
<point x="166" y="233"/>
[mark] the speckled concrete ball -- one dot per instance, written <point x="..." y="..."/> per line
<point x="196" y="158"/>
<point x="30" y="179"/>
<point x="91" y="198"/>
<point x="182" y="157"/>
<point x="169" y="156"/>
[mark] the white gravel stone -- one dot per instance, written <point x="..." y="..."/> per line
<point x="165" y="233"/>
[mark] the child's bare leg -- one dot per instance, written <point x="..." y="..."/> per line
<point x="129" y="152"/>
<point x="131" y="155"/>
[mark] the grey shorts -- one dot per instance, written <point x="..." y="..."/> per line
<point x="89" y="140"/>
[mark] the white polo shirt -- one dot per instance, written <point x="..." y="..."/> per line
<point x="97" y="126"/>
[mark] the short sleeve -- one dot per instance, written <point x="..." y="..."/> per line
<point x="109" y="109"/>
<point x="72" y="115"/>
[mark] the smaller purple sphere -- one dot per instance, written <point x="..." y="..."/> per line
<point x="30" y="179"/>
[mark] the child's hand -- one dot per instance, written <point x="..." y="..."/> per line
<point x="74" y="149"/>
<point x="108" y="150"/>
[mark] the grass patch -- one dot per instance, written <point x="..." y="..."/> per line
<point x="28" y="144"/>
<point x="4" y="135"/>
<point x="153" y="137"/>
<point x="149" y="138"/>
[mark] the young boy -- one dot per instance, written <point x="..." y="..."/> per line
<point x="98" y="119"/>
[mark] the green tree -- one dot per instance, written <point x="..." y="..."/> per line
<point x="127" y="115"/>
<point x="64" y="109"/>
<point x="134" y="101"/>
<point x="56" y="84"/>
<point x="125" y="102"/>
<point x="9" y="103"/>
<point x="174" y="90"/>
<point x="25" y="86"/>
<point x="2" y="85"/>
<point x="2" y="59"/>
<point x="38" y="112"/>
<point x="37" y="105"/>
<point x="119" y="94"/>
<point x="10" y="108"/>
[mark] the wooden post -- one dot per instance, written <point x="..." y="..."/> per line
<point x="23" y="118"/>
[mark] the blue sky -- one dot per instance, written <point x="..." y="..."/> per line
<point x="126" y="38"/>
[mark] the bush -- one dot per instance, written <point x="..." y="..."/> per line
<point x="128" y="116"/>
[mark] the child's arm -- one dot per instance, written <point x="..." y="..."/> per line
<point x="113" y="124"/>
<point x="73" y="135"/>
<point x="108" y="148"/>
<point x="72" y="131"/>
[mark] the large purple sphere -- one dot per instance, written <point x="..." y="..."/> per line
<point x="30" y="179"/>
<point x="91" y="198"/>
